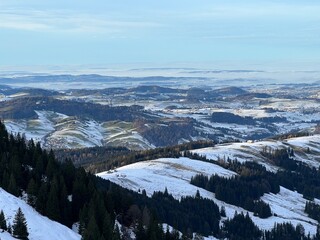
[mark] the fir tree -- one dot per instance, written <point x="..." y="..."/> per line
<point x="9" y="228"/>
<point x="107" y="229"/>
<point x="92" y="232"/>
<point x="116" y="233"/>
<point x="3" y="222"/>
<point x="52" y="205"/>
<point x="12" y="188"/>
<point x="19" y="227"/>
<point x="32" y="192"/>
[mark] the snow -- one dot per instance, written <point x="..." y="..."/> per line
<point x="73" y="133"/>
<point x="37" y="129"/>
<point x="251" y="151"/>
<point x="56" y="130"/>
<point x="6" y="236"/>
<point x="171" y="173"/>
<point x="289" y="206"/>
<point x="39" y="227"/>
<point x="175" y="174"/>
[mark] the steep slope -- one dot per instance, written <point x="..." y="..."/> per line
<point x="39" y="227"/>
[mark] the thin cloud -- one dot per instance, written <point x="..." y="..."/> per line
<point x="254" y="11"/>
<point x="53" y="21"/>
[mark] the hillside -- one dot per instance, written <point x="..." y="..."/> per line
<point x="39" y="227"/>
<point x="174" y="175"/>
<point x="150" y="116"/>
<point x="306" y="149"/>
<point x="70" y="195"/>
<point x="268" y="186"/>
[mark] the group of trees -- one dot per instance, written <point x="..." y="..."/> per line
<point x="294" y="175"/>
<point x="226" y="117"/>
<point x="67" y="194"/>
<point x="24" y="108"/>
<point x="243" y="191"/>
<point x="130" y="157"/>
<point x="281" y="157"/>
<point x="313" y="210"/>
<point x="91" y="155"/>
<point x="287" y="231"/>
<point x="19" y="227"/>
<point x="241" y="227"/>
<point x="168" y="133"/>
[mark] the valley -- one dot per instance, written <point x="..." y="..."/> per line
<point x="150" y="116"/>
<point x="172" y="149"/>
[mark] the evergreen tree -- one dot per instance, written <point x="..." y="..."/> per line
<point x="19" y="227"/>
<point x="42" y="198"/>
<point x="32" y="192"/>
<point x="92" y="232"/>
<point x="116" y="233"/>
<point x="317" y="236"/>
<point x="64" y="204"/>
<point x="52" y="206"/>
<point x="9" y="228"/>
<point x="12" y="188"/>
<point x="83" y="219"/>
<point x="3" y="222"/>
<point x="107" y="229"/>
<point x="241" y="227"/>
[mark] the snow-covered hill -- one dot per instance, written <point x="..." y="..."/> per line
<point x="39" y="227"/>
<point x="56" y="130"/>
<point x="175" y="175"/>
<point x="306" y="149"/>
<point x="156" y="175"/>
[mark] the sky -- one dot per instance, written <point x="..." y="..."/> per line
<point x="102" y="32"/>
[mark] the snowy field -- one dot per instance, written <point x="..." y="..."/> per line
<point x="39" y="227"/>
<point x="175" y="175"/>
<point x="170" y="173"/>
<point x="56" y="130"/>
<point x="248" y="151"/>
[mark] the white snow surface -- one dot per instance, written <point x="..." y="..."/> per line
<point x="6" y="236"/>
<point x="175" y="174"/>
<point x="56" y="130"/>
<point x="171" y="173"/>
<point x="39" y="227"/>
<point x="247" y="151"/>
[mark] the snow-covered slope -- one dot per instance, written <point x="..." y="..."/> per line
<point x="175" y="175"/>
<point x="306" y="149"/>
<point x="39" y="227"/>
<point x="171" y="173"/>
<point x="56" y="130"/>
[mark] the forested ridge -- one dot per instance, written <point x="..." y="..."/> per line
<point x="24" y="107"/>
<point x="68" y="195"/>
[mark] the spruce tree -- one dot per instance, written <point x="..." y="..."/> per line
<point x="41" y="199"/>
<point x="19" y="227"/>
<point x="3" y="222"/>
<point x="9" y="228"/>
<point x="12" y="188"/>
<point x="52" y="205"/>
<point x="92" y="232"/>
<point x="32" y="192"/>
<point x="116" y="233"/>
<point x="107" y="229"/>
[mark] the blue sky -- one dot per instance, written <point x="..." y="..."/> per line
<point x="65" y="32"/>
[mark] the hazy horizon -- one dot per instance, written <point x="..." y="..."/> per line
<point x="167" y="33"/>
